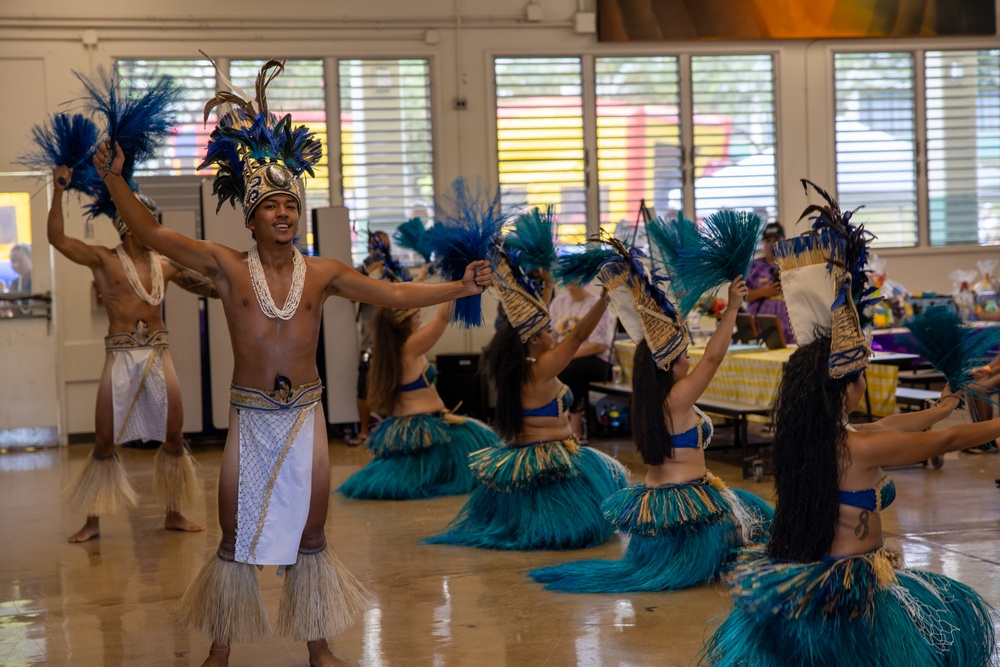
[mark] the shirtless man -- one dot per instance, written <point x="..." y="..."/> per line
<point x="138" y="397"/>
<point x="274" y="347"/>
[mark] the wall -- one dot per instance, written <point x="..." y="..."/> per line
<point x="37" y="54"/>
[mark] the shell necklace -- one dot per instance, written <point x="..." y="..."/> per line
<point x="155" y="273"/>
<point x="263" y="292"/>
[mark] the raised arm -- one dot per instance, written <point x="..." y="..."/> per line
<point x="349" y="284"/>
<point x="201" y="256"/>
<point x="891" y="448"/>
<point x="426" y="337"/>
<point x="689" y="389"/>
<point x="73" y="249"/>
<point x="553" y="362"/>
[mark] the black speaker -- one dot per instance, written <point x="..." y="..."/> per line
<point x="459" y="381"/>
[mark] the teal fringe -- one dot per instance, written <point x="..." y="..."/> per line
<point x="533" y="237"/>
<point x="510" y="469"/>
<point x="848" y="620"/>
<point x="434" y="463"/>
<point x="563" y="513"/>
<point x="681" y="536"/>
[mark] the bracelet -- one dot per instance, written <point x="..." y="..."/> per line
<point x="732" y="308"/>
<point x="989" y="369"/>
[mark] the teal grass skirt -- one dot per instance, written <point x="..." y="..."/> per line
<point x="680" y="535"/>
<point x="545" y="495"/>
<point x="422" y="456"/>
<point x="857" y="611"/>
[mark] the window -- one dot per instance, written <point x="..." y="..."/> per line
<point x="540" y="138"/>
<point x="181" y="154"/>
<point x="648" y="143"/>
<point x="963" y="146"/>
<point x="875" y="140"/>
<point x="386" y="150"/>
<point x="298" y="91"/>
<point x="638" y="137"/>
<point x="734" y="134"/>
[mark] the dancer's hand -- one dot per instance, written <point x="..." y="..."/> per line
<point x="948" y="393"/>
<point x="104" y="163"/>
<point x="737" y="293"/>
<point x="478" y="276"/>
<point x="61" y="177"/>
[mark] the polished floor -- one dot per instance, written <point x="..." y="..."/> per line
<point x="112" y="601"/>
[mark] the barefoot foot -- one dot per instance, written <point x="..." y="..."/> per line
<point x="90" y="530"/>
<point x="177" y="521"/>
<point x="218" y="656"/>
<point x="320" y="655"/>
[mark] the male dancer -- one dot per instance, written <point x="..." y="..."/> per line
<point x="278" y="439"/>
<point x="138" y="397"/>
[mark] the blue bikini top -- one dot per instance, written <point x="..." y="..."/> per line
<point x="696" y="437"/>
<point x="875" y="499"/>
<point x="425" y="380"/>
<point x="557" y="407"/>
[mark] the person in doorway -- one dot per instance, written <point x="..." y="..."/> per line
<point x="138" y="397"/>
<point x="274" y="484"/>
<point x="592" y="361"/>
<point x="20" y="261"/>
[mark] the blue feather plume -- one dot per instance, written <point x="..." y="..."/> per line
<point x="582" y="268"/>
<point x="702" y="259"/>
<point x="136" y="120"/>
<point x="471" y="225"/>
<point x="413" y="235"/>
<point x="533" y="237"/>
<point x="953" y="349"/>
<point x="65" y="140"/>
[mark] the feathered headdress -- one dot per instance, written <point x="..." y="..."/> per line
<point x="635" y="295"/>
<point x="523" y="305"/>
<point x="702" y="258"/>
<point x="136" y="120"/>
<point x="470" y="227"/>
<point x="825" y="284"/>
<point x="380" y="264"/>
<point x="257" y="154"/>
<point x="952" y="348"/>
<point x="532" y="237"/>
<point x="66" y="140"/>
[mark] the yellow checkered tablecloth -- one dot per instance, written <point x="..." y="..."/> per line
<point x="751" y="378"/>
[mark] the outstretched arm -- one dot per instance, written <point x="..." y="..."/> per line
<point x="349" y="284"/>
<point x="914" y="422"/>
<point x="73" y="249"/>
<point x="890" y="448"/>
<point x="689" y="389"/>
<point x="426" y="337"/>
<point x="201" y="256"/>
<point x="554" y="361"/>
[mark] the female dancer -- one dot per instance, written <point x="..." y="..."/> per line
<point x="683" y="523"/>
<point x="827" y="592"/>
<point x="540" y="489"/>
<point x="419" y="450"/>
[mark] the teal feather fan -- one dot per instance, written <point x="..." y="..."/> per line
<point x="413" y="235"/>
<point x="701" y="259"/>
<point x="533" y="237"/>
<point x="953" y="349"/>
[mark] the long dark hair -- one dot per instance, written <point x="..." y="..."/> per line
<point x="388" y="337"/>
<point x="810" y="450"/>
<point x="650" y="416"/>
<point x="505" y="361"/>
